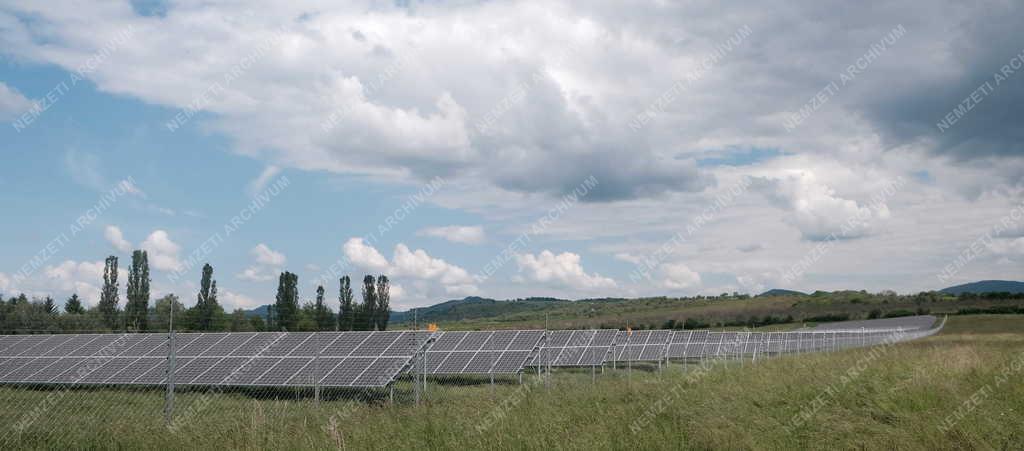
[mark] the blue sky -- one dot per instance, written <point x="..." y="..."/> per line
<point x="700" y="182"/>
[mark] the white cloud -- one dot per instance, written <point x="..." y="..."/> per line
<point x="628" y="257"/>
<point x="759" y="282"/>
<point x="563" y="269"/>
<point x="818" y="211"/>
<point x="5" y="282"/>
<point x="364" y="255"/>
<point x="1009" y="246"/>
<point x="420" y="265"/>
<point x="456" y="233"/>
<point x="679" y="276"/>
<point x="266" y="256"/>
<point x="409" y="264"/>
<point x="163" y="252"/>
<point x="256" y="274"/>
<point x="232" y="300"/>
<point x="12" y="103"/>
<point x="262" y="180"/>
<point x="116" y="238"/>
<point x="268" y="264"/>
<point x="69" y="276"/>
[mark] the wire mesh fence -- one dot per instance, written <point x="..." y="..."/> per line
<point x="56" y="388"/>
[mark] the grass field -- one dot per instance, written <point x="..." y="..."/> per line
<point x="915" y="395"/>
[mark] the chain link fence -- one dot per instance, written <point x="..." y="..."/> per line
<point x="59" y="389"/>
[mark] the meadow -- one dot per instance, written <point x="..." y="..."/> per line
<point x="960" y="389"/>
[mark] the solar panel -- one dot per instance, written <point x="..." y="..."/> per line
<point x="572" y="348"/>
<point x="641" y="345"/>
<point x="356" y="359"/>
<point x="482" y="352"/>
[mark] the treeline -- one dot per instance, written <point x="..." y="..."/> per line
<point x="19" y="314"/>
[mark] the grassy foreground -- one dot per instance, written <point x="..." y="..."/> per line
<point x="961" y="389"/>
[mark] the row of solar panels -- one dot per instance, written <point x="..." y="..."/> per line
<point x="369" y="359"/>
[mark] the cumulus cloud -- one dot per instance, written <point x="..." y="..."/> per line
<point x="364" y="255"/>
<point x="818" y="211"/>
<point x="266" y="256"/>
<point x="268" y="263"/>
<point x="233" y="300"/>
<point x="679" y="276"/>
<point x="562" y="269"/>
<point x="69" y="276"/>
<point x="421" y="265"/>
<point x="116" y="238"/>
<point x="456" y="233"/>
<point x="415" y="264"/>
<point x="163" y="252"/>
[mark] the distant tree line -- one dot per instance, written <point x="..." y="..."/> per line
<point x="19" y="314"/>
<point x="372" y="314"/>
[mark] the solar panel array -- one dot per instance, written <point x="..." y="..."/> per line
<point x="641" y="345"/>
<point x="339" y="359"/>
<point x="687" y="344"/>
<point x="569" y="348"/>
<point x="482" y="352"/>
<point x="375" y="359"/>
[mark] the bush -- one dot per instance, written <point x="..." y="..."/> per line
<point x="831" y="317"/>
<point x="899" y="313"/>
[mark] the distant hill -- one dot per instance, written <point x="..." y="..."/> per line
<point x="474" y="307"/>
<point x="780" y="292"/>
<point x="987" y="286"/>
<point x="260" y="311"/>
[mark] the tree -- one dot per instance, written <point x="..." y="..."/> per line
<point x="286" y="305"/>
<point x="208" y="313"/>
<point x="346" y="311"/>
<point x="383" y="302"/>
<point x="323" y="316"/>
<point x="257" y="324"/>
<point x="240" y="322"/>
<point x="162" y="313"/>
<point x="73" y="306"/>
<point x="368" y="311"/>
<point x="109" y="296"/>
<point x="49" y="306"/>
<point x="136" y="311"/>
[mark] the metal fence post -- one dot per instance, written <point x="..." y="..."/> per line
<point x="169" y="397"/>
<point x="416" y="375"/>
<point x="316" y="370"/>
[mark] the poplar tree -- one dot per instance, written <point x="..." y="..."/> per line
<point x="109" y="296"/>
<point x="346" y="311"/>
<point x="286" y="305"/>
<point x="368" y="311"/>
<point x="383" y="302"/>
<point x="137" y="307"/>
